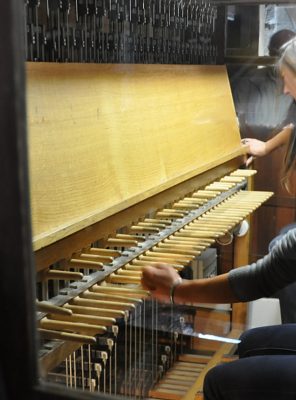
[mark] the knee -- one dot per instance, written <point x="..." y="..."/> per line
<point x="253" y="340"/>
<point x="248" y="340"/>
<point x="267" y="340"/>
<point x="211" y="384"/>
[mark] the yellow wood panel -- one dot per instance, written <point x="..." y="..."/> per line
<point x="104" y="137"/>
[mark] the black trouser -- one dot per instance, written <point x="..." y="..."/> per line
<point x="266" y="368"/>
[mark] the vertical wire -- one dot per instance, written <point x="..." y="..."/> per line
<point x="70" y="368"/>
<point x="130" y="354"/>
<point x="82" y="368"/>
<point x="45" y="290"/>
<point x="125" y="355"/>
<point x="115" y="366"/>
<point x="110" y="370"/>
<point x="67" y="372"/>
<point x="104" y="375"/>
<point x="156" y="338"/>
<point x="89" y="367"/>
<point x="74" y="367"/>
<point x="110" y="373"/>
<point x="175" y="346"/>
<point x="135" y="355"/>
<point x="144" y="344"/>
<point x="152" y="339"/>
<point x="47" y="8"/>
<point x="140" y="350"/>
<point x="182" y="322"/>
<point x="172" y="336"/>
<point x="99" y="370"/>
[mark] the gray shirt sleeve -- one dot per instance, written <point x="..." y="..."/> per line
<point x="269" y="274"/>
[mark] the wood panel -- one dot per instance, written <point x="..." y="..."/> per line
<point x="104" y="137"/>
<point x="65" y="247"/>
<point x="211" y="321"/>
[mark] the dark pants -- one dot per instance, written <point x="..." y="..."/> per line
<point x="266" y="369"/>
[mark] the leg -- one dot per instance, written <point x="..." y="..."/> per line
<point x="253" y="378"/>
<point x="278" y="339"/>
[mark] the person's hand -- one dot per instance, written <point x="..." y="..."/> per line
<point x="159" y="278"/>
<point x="255" y="148"/>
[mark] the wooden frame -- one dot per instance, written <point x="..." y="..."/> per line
<point x="18" y="358"/>
<point x="18" y="365"/>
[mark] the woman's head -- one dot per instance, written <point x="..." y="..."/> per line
<point x="287" y="67"/>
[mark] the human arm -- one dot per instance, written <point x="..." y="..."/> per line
<point x="269" y="274"/>
<point x="260" y="279"/>
<point x="259" y="148"/>
<point x="160" y="278"/>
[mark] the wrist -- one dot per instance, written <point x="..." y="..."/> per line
<point x="173" y="288"/>
<point x="269" y="147"/>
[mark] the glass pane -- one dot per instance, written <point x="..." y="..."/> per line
<point x="276" y="18"/>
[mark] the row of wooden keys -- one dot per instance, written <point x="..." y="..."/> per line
<point x="98" y="307"/>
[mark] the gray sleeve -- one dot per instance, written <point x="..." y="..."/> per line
<point x="269" y="274"/>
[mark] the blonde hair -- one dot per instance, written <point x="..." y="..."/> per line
<point x="289" y="161"/>
<point x="288" y="56"/>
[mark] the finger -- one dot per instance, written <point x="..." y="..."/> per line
<point x="249" y="161"/>
<point x="147" y="286"/>
<point x="148" y="277"/>
<point x="289" y="126"/>
<point x="162" y="266"/>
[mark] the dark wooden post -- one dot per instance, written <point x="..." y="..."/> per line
<point x="18" y="356"/>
